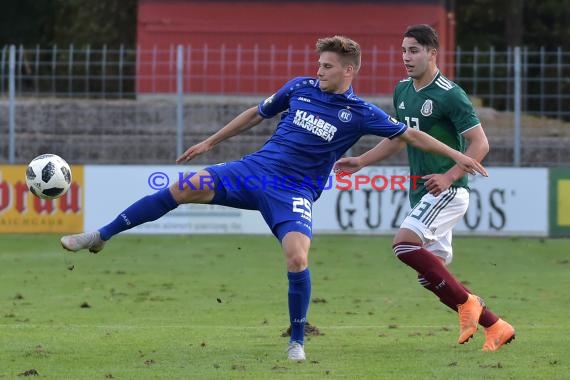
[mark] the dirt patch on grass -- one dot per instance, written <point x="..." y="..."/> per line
<point x="310" y="330"/>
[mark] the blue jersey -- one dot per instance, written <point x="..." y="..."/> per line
<point x="316" y="129"/>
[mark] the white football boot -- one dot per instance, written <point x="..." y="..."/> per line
<point x="296" y="352"/>
<point x="86" y="240"/>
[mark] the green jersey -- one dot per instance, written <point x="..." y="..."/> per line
<point x="442" y="110"/>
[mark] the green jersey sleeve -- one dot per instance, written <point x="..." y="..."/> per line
<point x="460" y="110"/>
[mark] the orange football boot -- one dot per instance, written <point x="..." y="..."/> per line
<point x="469" y="314"/>
<point x="500" y="333"/>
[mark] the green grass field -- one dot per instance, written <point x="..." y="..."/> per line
<point x="214" y="307"/>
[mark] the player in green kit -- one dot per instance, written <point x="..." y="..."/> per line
<point x="431" y="103"/>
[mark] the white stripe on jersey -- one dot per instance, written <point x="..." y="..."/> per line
<point x="444" y="83"/>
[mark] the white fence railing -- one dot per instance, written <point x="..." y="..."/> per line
<point x="109" y="73"/>
<point x="518" y="80"/>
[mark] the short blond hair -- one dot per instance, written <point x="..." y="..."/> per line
<point x="349" y="50"/>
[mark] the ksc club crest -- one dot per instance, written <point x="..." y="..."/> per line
<point x="344" y="115"/>
<point x="427" y="108"/>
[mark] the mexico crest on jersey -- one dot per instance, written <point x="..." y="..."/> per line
<point x="427" y="107"/>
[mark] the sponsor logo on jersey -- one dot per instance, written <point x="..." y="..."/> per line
<point x="314" y="124"/>
<point x="344" y="115"/>
<point x="393" y="120"/>
<point x="304" y="99"/>
<point x="427" y="107"/>
<point x="402" y="106"/>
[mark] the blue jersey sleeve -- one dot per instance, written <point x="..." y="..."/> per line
<point x="279" y="101"/>
<point x="381" y="124"/>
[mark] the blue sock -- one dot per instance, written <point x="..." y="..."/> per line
<point x="299" y="298"/>
<point x="144" y="210"/>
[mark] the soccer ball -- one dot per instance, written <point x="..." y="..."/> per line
<point x="48" y="176"/>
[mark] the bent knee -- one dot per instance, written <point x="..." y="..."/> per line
<point x="297" y="263"/>
<point x="407" y="235"/>
<point x="194" y="188"/>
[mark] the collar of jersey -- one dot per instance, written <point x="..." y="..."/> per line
<point x="347" y="94"/>
<point x="429" y="84"/>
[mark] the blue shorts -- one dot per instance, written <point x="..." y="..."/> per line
<point x="285" y="206"/>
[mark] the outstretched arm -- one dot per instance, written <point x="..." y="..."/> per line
<point x="427" y="143"/>
<point x="241" y="123"/>
<point x="478" y="147"/>
<point x="381" y="151"/>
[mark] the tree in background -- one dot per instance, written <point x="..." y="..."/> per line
<point x="27" y="22"/>
<point x="531" y="23"/>
<point x="64" y="22"/>
<point x="481" y="23"/>
<point x="96" y="22"/>
<point x="61" y="23"/>
<point x="45" y="23"/>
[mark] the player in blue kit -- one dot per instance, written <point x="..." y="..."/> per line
<point x="320" y="119"/>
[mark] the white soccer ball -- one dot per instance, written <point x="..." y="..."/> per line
<point x="48" y="176"/>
